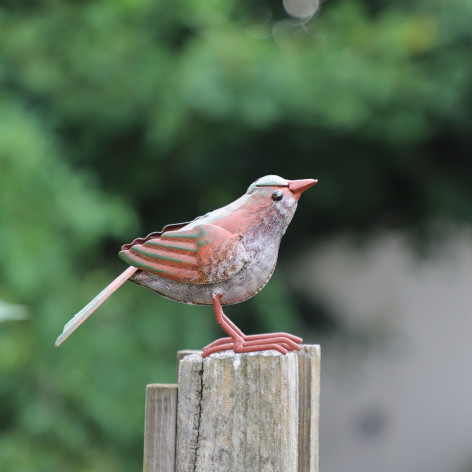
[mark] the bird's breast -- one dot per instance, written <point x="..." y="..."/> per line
<point x="253" y="276"/>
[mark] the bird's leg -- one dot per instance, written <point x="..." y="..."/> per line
<point x="236" y="335"/>
<point x="239" y="342"/>
<point x="223" y="320"/>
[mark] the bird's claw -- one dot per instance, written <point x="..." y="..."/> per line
<point x="281" y="342"/>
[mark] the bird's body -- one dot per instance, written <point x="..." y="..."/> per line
<point x="221" y="258"/>
<point x="253" y="234"/>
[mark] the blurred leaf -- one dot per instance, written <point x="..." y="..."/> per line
<point x="11" y="312"/>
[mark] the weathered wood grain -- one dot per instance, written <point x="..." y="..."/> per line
<point x="309" y="408"/>
<point x="181" y="354"/>
<point x="238" y="413"/>
<point x="188" y="412"/>
<point x="160" y="428"/>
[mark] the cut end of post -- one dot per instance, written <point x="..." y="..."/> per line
<point x="270" y="419"/>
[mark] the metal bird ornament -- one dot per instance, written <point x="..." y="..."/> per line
<point x="221" y="258"/>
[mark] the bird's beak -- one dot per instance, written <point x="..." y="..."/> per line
<point x="297" y="187"/>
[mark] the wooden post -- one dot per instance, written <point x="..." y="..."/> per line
<point x="160" y="428"/>
<point x="181" y="355"/>
<point x="236" y="413"/>
<point x="241" y="412"/>
<point x="309" y="365"/>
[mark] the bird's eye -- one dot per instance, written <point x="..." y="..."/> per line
<point x="277" y="195"/>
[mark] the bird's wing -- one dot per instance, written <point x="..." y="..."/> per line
<point x="201" y="255"/>
<point x="156" y="234"/>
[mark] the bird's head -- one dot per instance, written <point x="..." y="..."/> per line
<point x="278" y="196"/>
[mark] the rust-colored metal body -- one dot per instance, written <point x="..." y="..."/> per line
<point x="221" y="258"/>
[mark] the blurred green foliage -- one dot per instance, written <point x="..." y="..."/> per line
<point x="117" y="117"/>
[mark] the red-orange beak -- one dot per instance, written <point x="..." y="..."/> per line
<point x="297" y="187"/>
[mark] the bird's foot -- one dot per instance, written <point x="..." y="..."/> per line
<point x="281" y="342"/>
<point x="239" y="342"/>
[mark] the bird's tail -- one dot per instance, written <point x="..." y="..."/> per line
<point x="87" y="310"/>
